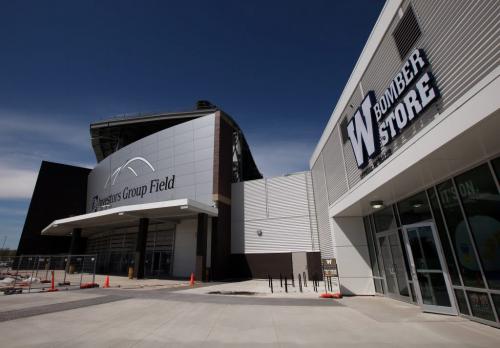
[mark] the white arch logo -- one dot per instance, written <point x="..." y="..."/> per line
<point x="112" y="178"/>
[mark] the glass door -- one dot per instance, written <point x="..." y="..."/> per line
<point x="388" y="266"/>
<point x="393" y="265"/>
<point x="432" y="284"/>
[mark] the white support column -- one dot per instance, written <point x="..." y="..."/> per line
<point x="353" y="258"/>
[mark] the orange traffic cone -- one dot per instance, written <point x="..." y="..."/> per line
<point x="106" y="282"/>
<point x="52" y="284"/>
<point x="191" y="281"/>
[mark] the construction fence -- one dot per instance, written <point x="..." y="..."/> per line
<point x="38" y="273"/>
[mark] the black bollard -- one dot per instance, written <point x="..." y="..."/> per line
<point x="293" y="280"/>
<point x="271" y="280"/>
<point x="286" y="285"/>
<point x="281" y="281"/>
<point x="300" y="283"/>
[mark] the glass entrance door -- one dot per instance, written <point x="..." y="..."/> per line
<point x="393" y="265"/>
<point x="432" y="284"/>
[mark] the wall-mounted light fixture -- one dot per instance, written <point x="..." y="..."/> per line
<point x="259" y="233"/>
<point x="377" y="204"/>
<point x="417" y="204"/>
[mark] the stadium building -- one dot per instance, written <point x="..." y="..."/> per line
<point x="403" y="189"/>
<point x="406" y="173"/>
<point x="173" y="194"/>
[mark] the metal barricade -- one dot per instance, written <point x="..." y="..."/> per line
<point x="37" y="273"/>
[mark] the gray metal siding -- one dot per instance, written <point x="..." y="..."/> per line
<point x="321" y="203"/>
<point x="336" y="182"/>
<point x="462" y="42"/>
<point x="185" y="150"/>
<point x="282" y="208"/>
<point x="313" y="220"/>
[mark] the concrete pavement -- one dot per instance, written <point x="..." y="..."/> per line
<point x="172" y="318"/>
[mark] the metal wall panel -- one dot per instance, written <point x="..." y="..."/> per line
<point x="287" y="196"/>
<point x="321" y="204"/>
<point x="312" y="212"/>
<point x="253" y="200"/>
<point x="185" y="150"/>
<point x="336" y="181"/>
<point x="278" y="235"/>
<point x="462" y="42"/>
<point x="278" y="215"/>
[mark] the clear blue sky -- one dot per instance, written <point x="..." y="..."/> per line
<point x="278" y="67"/>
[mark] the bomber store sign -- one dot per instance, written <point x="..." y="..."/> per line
<point x="376" y="123"/>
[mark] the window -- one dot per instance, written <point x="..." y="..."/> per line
<point x="462" y="302"/>
<point x="496" y="167"/>
<point x="373" y="255"/>
<point x="457" y="227"/>
<point x="481" y="203"/>
<point x="496" y="302"/>
<point x="414" y="209"/>
<point x="480" y="305"/>
<point x="443" y="236"/>
<point x="371" y="249"/>
<point x="384" y="220"/>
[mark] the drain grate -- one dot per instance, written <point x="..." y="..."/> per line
<point x="246" y="293"/>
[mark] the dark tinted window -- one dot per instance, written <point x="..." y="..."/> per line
<point x="496" y="167"/>
<point x="467" y="262"/>
<point x="480" y="305"/>
<point x="462" y="304"/>
<point x="443" y="236"/>
<point x="414" y="209"/>
<point x="384" y="220"/>
<point x="371" y="247"/>
<point x="481" y="202"/>
<point x="496" y="303"/>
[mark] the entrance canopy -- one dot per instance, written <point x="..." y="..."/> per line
<point x="161" y="211"/>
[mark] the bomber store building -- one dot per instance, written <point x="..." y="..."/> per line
<point x="172" y="194"/>
<point x="406" y="174"/>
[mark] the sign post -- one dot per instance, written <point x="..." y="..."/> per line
<point x="331" y="276"/>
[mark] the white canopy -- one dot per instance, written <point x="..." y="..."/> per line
<point x="127" y="215"/>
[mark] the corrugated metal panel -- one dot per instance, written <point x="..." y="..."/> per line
<point x="287" y="196"/>
<point x="334" y="166"/>
<point x="350" y="162"/>
<point x="281" y="207"/>
<point x="312" y="212"/>
<point x="278" y="235"/>
<point x="321" y="202"/>
<point x="462" y="42"/>
<point x="254" y="200"/>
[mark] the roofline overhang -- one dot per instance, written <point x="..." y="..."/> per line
<point x="187" y="207"/>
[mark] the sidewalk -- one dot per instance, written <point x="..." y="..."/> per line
<point x="260" y="288"/>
